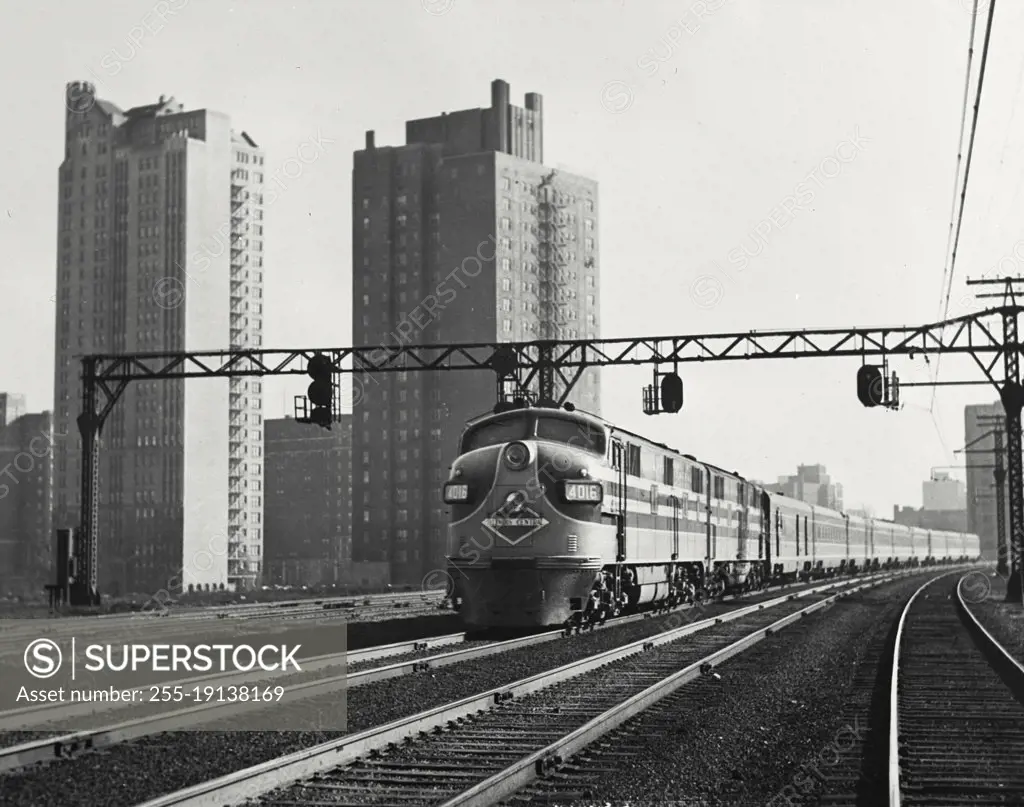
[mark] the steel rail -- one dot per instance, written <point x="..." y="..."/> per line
<point x="894" y="745"/>
<point x="1004" y="656"/>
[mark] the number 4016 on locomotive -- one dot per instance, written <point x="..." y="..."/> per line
<point x="559" y="518"/>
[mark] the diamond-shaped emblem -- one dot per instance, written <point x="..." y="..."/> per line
<point x="514" y="521"/>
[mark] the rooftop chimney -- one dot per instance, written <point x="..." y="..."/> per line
<point x="369" y="141"/>
<point x="499" y="103"/>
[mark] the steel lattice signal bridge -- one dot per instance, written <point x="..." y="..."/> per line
<point x="528" y="370"/>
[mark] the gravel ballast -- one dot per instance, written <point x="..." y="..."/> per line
<point x="763" y="730"/>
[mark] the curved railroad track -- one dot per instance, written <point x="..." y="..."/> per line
<point x="956" y="731"/>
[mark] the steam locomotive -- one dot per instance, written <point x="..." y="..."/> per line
<point x="559" y="517"/>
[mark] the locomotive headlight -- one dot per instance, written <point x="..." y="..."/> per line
<point x="455" y="492"/>
<point x="582" y="492"/>
<point x="516" y="456"/>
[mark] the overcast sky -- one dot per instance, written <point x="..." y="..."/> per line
<point x="702" y="127"/>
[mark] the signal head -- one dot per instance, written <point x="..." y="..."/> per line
<point x="870" y="385"/>
<point x="671" y="392"/>
<point x="319" y="366"/>
<point x="320" y="393"/>
<point x="321" y="417"/>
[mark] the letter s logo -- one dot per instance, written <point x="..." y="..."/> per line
<point x="39" y="659"/>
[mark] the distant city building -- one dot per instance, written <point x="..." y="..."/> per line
<point x="942" y="492"/>
<point x="308" y="505"/>
<point x="981" y="491"/>
<point x="811" y="484"/>
<point x="461" y="235"/>
<point x="160" y="248"/>
<point x="12" y="407"/>
<point x="950" y="520"/>
<point x="26" y="501"/>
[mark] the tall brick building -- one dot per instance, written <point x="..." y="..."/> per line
<point x="981" y="491"/>
<point x="460" y="235"/>
<point x="26" y="500"/>
<point x="308" y="503"/>
<point x="160" y="248"/>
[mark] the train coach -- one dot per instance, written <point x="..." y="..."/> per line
<point x="559" y="517"/>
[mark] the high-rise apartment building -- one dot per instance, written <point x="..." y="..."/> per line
<point x="26" y="500"/>
<point x="981" y="490"/>
<point x="461" y="235"/>
<point x="160" y="248"/>
<point x="308" y="503"/>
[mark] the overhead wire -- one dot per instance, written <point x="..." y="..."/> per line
<point x="959" y="151"/>
<point x="967" y="165"/>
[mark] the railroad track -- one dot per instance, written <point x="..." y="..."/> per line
<point x="485" y="747"/>
<point x="24" y="746"/>
<point x="956" y="734"/>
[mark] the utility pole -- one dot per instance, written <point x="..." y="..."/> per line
<point x="1011" y="393"/>
<point x="999" y="473"/>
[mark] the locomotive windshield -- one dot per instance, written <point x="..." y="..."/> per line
<point x="575" y="433"/>
<point x="497" y="432"/>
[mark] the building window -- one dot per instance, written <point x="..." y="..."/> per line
<point x="506" y="223"/>
<point x="506" y="264"/>
<point x="506" y="284"/>
<point x="506" y="184"/>
<point x="507" y="325"/>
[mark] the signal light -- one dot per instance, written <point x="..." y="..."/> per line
<point x="870" y="386"/>
<point x="321" y="391"/>
<point x="671" y="392"/>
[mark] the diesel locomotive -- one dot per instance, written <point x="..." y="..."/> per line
<point x="559" y="517"/>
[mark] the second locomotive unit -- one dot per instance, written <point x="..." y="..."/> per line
<point x="559" y="517"/>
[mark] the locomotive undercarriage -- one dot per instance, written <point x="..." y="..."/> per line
<point x="617" y="590"/>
